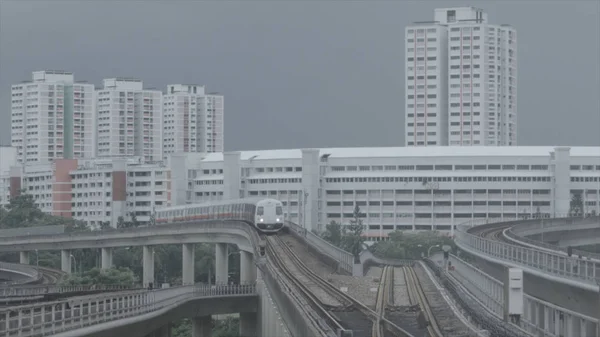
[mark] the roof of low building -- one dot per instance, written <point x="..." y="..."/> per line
<point x="429" y="151"/>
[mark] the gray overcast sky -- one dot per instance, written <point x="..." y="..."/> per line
<point x="303" y="73"/>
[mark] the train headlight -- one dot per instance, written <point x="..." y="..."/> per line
<point x="277" y="219"/>
<point x="261" y="219"/>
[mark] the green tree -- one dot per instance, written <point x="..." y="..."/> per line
<point x="205" y="255"/>
<point x="576" y="207"/>
<point x="333" y="233"/>
<point x="121" y="222"/>
<point x="134" y="221"/>
<point x="105" y="226"/>
<point x="229" y="327"/>
<point x="410" y="245"/>
<point x="353" y="240"/>
<point x="22" y="211"/>
<point x="112" y="276"/>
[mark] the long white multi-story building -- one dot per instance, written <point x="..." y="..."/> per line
<point x="52" y="117"/>
<point x="461" y="84"/>
<point x="192" y="120"/>
<point x="403" y="188"/>
<point x="129" y="120"/>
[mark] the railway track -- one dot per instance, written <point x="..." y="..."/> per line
<point x="385" y="298"/>
<point x="50" y="276"/>
<point x="417" y="297"/>
<point x="361" y="314"/>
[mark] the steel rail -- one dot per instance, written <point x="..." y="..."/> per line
<point x="417" y="296"/>
<point x="338" y="294"/>
<point x="384" y="298"/>
<point x="332" y="325"/>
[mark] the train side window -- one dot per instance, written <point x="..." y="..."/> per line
<point x="278" y="210"/>
<point x="260" y="210"/>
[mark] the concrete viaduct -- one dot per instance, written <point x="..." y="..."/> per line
<point x="219" y="232"/>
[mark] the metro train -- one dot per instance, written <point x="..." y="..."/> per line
<point x="266" y="215"/>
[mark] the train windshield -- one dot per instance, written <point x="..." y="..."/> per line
<point x="278" y="210"/>
<point x="260" y="210"/>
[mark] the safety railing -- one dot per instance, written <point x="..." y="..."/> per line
<point x="44" y="319"/>
<point x="55" y="289"/>
<point x="542" y="318"/>
<point x="536" y="226"/>
<point x="488" y="290"/>
<point x="519" y="231"/>
<point x="33" y="274"/>
<point x="475" y="308"/>
<point x="344" y="259"/>
<point x="547" y="263"/>
<point x="179" y="228"/>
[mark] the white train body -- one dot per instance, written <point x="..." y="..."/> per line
<point x="264" y="214"/>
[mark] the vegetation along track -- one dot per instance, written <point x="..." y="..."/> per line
<point x="385" y="298"/>
<point x="356" y="316"/>
<point x="417" y="297"/>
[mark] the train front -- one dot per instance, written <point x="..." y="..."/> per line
<point x="269" y="216"/>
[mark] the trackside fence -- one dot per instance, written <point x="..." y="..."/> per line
<point x="344" y="259"/>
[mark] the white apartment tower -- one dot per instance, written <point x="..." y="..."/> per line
<point x="461" y="86"/>
<point x="52" y="117"/>
<point x="193" y="120"/>
<point x="129" y="120"/>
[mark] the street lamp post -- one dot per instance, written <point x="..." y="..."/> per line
<point x="429" y="250"/>
<point x="74" y="259"/>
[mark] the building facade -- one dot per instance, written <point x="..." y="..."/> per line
<point x="461" y="86"/>
<point x="406" y="188"/>
<point x="398" y="188"/>
<point x="92" y="190"/>
<point x="192" y="120"/>
<point x="129" y="120"/>
<point x="52" y="117"/>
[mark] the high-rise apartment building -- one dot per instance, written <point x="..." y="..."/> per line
<point x="52" y="117"/>
<point x="129" y="120"/>
<point x="192" y="120"/>
<point x="461" y="86"/>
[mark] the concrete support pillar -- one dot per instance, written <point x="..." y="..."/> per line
<point x="248" y="324"/>
<point x="148" y="266"/>
<point x="24" y="258"/>
<point x="562" y="181"/>
<point x="107" y="258"/>
<point x="231" y="176"/>
<point x="247" y="268"/>
<point x="188" y="264"/>
<point x="201" y="326"/>
<point x="65" y="261"/>
<point x="221" y="263"/>
<point x="310" y="189"/>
